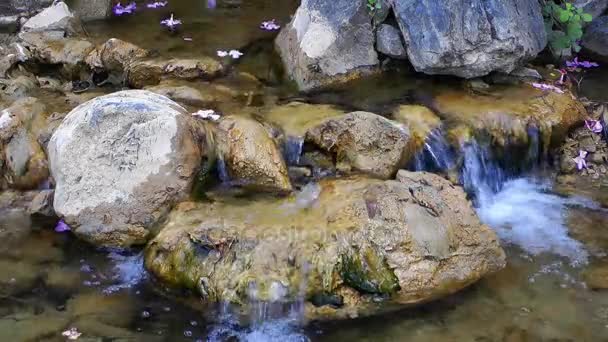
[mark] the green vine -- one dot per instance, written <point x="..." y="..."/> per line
<point x="564" y="25"/>
<point x="373" y="5"/>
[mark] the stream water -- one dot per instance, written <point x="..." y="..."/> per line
<point x="51" y="281"/>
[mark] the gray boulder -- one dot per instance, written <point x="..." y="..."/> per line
<point x="327" y="42"/>
<point x="596" y="37"/>
<point x="120" y="162"/>
<point x="593" y="7"/>
<point x="389" y="42"/>
<point x="449" y="38"/>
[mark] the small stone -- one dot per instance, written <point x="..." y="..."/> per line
<point x="145" y="314"/>
<point x="188" y="333"/>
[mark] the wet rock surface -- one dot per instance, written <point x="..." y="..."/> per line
<point x="140" y="145"/>
<point x="596" y="37"/>
<point x="389" y="42"/>
<point x="414" y="239"/>
<point x="362" y="141"/>
<point x="251" y="157"/>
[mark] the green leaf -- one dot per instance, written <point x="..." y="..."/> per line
<point x="568" y="6"/>
<point x="576" y="48"/>
<point x="564" y="16"/>
<point x="587" y="17"/>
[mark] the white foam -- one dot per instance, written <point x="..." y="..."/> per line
<point x="128" y="271"/>
<point x="525" y="214"/>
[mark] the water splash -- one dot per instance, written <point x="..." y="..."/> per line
<point x="127" y="272"/>
<point x="436" y="155"/>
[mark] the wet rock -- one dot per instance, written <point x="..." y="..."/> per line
<point x="251" y="157"/>
<point x="444" y="37"/>
<point x="89" y="10"/>
<point x="17" y="87"/>
<point x="57" y="17"/>
<point x="25" y="165"/>
<point x="150" y="72"/>
<point x="414" y="240"/>
<point x="47" y="49"/>
<point x="135" y="142"/>
<point x="593" y="7"/>
<point x="389" y="42"/>
<point x="507" y="113"/>
<point x="363" y="141"/>
<point x="42" y="204"/>
<point x="596" y="36"/>
<point x="183" y="94"/>
<point x="327" y="43"/>
<point x="115" y="55"/>
<point x="15" y="223"/>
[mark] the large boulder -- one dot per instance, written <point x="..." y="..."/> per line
<point x="351" y="242"/>
<point x="327" y="42"/>
<point x="55" y="49"/>
<point x="472" y="40"/>
<point x="596" y="37"/>
<point x="120" y="162"/>
<point x="149" y="72"/>
<point x="115" y="55"/>
<point x="251" y="157"/>
<point x="389" y="42"/>
<point x="366" y="142"/>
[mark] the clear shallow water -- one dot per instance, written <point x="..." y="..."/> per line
<point x="50" y="282"/>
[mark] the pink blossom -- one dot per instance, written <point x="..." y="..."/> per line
<point x="270" y="25"/>
<point x="594" y="126"/>
<point x="544" y="86"/>
<point x="580" y="161"/>
<point x="171" y="23"/>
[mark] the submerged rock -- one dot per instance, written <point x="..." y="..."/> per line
<point x="120" y="161"/>
<point x="115" y="55"/>
<point x="411" y="240"/>
<point x="472" y="40"/>
<point x="89" y="10"/>
<point x="327" y="42"/>
<point x="183" y="94"/>
<point x="148" y="72"/>
<point x="251" y="157"/>
<point x="365" y="142"/>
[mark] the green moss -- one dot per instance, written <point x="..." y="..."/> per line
<point x="367" y="272"/>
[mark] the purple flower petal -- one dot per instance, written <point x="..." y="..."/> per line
<point x="171" y="23"/>
<point x="594" y="126"/>
<point x="119" y="9"/>
<point x="62" y="227"/>
<point x="157" y="4"/>
<point x="544" y="86"/>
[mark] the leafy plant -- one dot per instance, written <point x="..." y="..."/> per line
<point x="373" y="5"/>
<point x="564" y="24"/>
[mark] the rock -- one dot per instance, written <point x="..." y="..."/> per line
<point x="420" y="120"/>
<point x="364" y="142"/>
<point x="57" y="17"/>
<point x="15" y="223"/>
<point x="117" y="309"/>
<point x="89" y="10"/>
<point x="411" y="240"/>
<point x="115" y="55"/>
<point x="138" y="144"/>
<point x="17" y="277"/>
<point x="42" y="204"/>
<point x="9" y="23"/>
<point x="596" y="37"/>
<point x="17" y="87"/>
<point x="327" y="43"/>
<point x="25" y="163"/>
<point x="252" y="159"/>
<point x="45" y="49"/>
<point x="183" y="94"/>
<point x="389" y="42"/>
<point x="150" y="72"/>
<point x="594" y="7"/>
<point x="64" y="279"/>
<point x="447" y="38"/>
<point x="21" y="6"/>
<point x="508" y="113"/>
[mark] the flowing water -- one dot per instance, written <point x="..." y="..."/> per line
<point x="50" y="282"/>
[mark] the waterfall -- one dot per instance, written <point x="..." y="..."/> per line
<point x="293" y="149"/>
<point x="519" y="207"/>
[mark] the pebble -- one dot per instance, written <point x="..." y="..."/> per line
<point x="145" y="314"/>
<point x="188" y="333"/>
<point x="193" y="323"/>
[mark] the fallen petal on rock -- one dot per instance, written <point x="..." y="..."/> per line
<point x="62" y="227"/>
